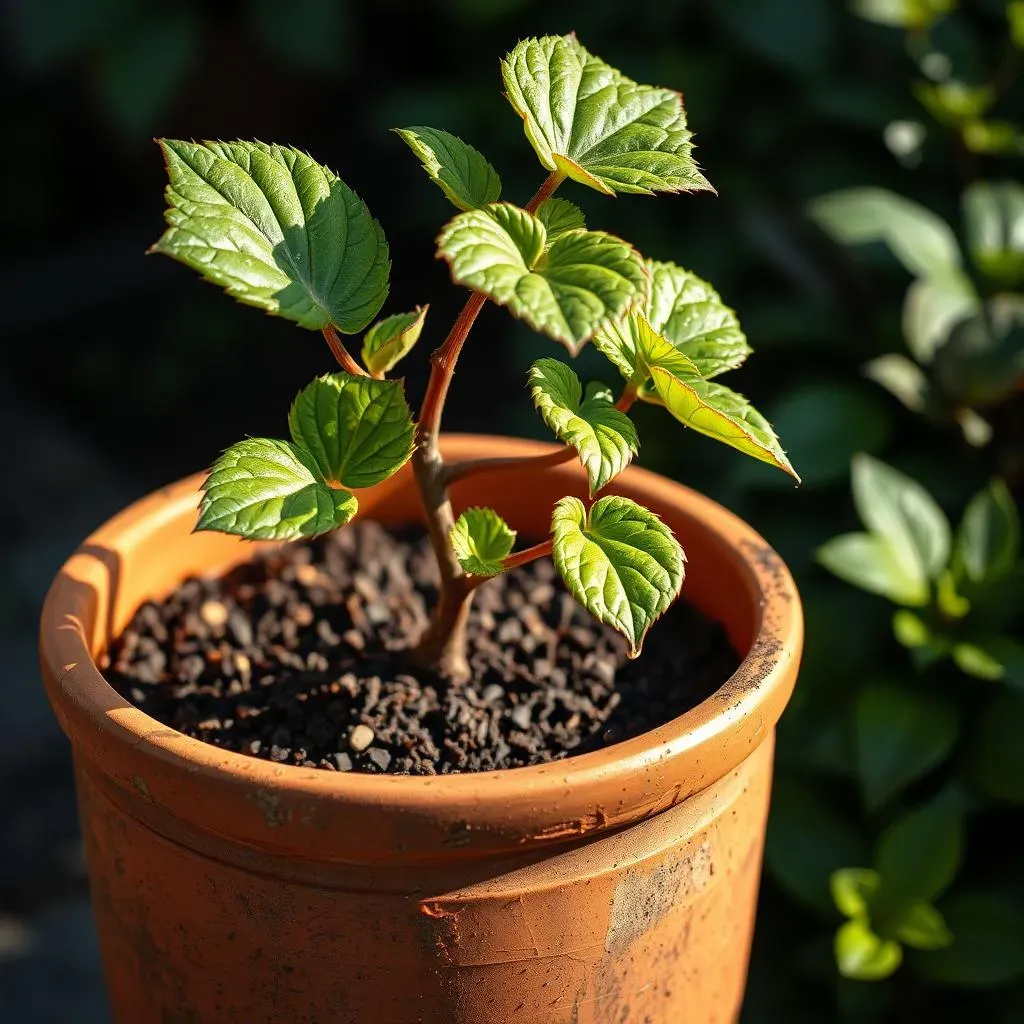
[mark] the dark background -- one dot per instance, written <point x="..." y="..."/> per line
<point x="121" y="371"/>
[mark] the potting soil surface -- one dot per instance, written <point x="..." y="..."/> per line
<point x="297" y="657"/>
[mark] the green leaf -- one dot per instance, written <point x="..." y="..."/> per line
<point x="559" y="216"/>
<point x="460" y="171"/>
<point x="1015" y="16"/>
<point x="390" y="340"/>
<point x="923" y="927"/>
<point x="901" y="735"/>
<point x="619" y="560"/>
<point x="903" y="379"/>
<point x="276" y="230"/>
<point x="933" y="307"/>
<point x="988" y="942"/>
<point x="869" y="562"/>
<point x="481" y="539"/>
<point x="604" y="437"/>
<point x="909" y="14"/>
<point x="996" y="659"/>
<point x="852" y="890"/>
<point x="271" y="490"/>
<point x="994" y="223"/>
<point x="995" y="755"/>
<point x="954" y="103"/>
<point x="598" y="127"/>
<point x="899" y="509"/>
<point x="358" y="430"/>
<point x="864" y="956"/>
<point x="565" y="290"/>
<point x="685" y="311"/>
<point x="922" y="241"/>
<point x="988" y="541"/>
<point x="992" y="136"/>
<point x="918" y="856"/>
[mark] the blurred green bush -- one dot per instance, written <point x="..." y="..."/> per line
<point x="838" y="139"/>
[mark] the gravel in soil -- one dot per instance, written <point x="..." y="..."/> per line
<point x="297" y="657"/>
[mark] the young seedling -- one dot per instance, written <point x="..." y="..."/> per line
<point x="279" y="231"/>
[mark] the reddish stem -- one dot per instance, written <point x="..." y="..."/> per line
<point x="345" y="360"/>
<point x="517" y="558"/>
<point x="627" y="398"/>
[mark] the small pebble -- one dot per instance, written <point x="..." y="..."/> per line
<point x="342" y="761"/>
<point x="493" y="693"/>
<point x="213" y="613"/>
<point x="521" y="716"/>
<point x="380" y="757"/>
<point x="360" y="738"/>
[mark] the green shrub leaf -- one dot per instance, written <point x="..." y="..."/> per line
<point x="598" y="127"/>
<point x="357" y="429"/>
<point x="460" y="171"/>
<point x="685" y="311"/>
<point x="921" y="240"/>
<point x="390" y="340"/>
<point x="893" y="506"/>
<point x="852" y="891"/>
<point x="481" y="539"/>
<point x="903" y="379"/>
<point x="994" y="658"/>
<point x="923" y="927"/>
<point x="988" y="541"/>
<point x="619" y="560"/>
<point x="275" y="230"/>
<point x="869" y="562"/>
<point x="909" y="14"/>
<point x="604" y="437"/>
<point x="565" y="290"/>
<point x="995" y="753"/>
<point x="901" y="734"/>
<point x="559" y="216"/>
<point x="271" y="490"/>
<point x="988" y="942"/>
<point x="933" y="307"/>
<point x="863" y="955"/>
<point x="994" y="223"/>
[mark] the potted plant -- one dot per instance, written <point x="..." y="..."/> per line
<point x="334" y="850"/>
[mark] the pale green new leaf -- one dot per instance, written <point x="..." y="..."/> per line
<point x="559" y="216"/>
<point x="276" y="230"/>
<point x="459" y="170"/>
<point x="481" y="539"/>
<point x="863" y="955"/>
<point x="604" y="437"/>
<point x="565" y="289"/>
<point x="619" y="560"/>
<point x="358" y="430"/>
<point x="598" y="127"/>
<point x="687" y="312"/>
<point x="923" y="927"/>
<point x="921" y="240"/>
<point x="869" y="562"/>
<point x="994" y="222"/>
<point x="893" y="506"/>
<point x="852" y="890"/>
<point x="390" y="340"/>
<point x="271" y="490"/>
<point x="707" y="407"/>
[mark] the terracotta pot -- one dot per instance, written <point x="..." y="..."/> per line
<point x="616" y="887"/>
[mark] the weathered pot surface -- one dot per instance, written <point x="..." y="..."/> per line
<point x="611" y="888"/>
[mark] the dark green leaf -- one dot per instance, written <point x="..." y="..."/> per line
<point x="271" y="490"/>
<point x="357" y="429"/>
<point x="275" y="230"/>
<point x="596" y="126"/>
<point x="459" y="170"/>
<point x="995" y="756"/>
<point x="988" y="541"/>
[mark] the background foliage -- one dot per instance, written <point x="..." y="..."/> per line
<point x="791" y="100"/>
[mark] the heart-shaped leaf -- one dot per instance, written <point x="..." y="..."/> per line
<point x="481" y="539"/>
<point x="869" y="562"/>
<point x="598" y="127"/>
<point x="685" y="311"/>
<point x="893" y="506"/>
<point x="604" y="437"/>
<point x="358" y="430"/>
<point x="559" y="216"/>
<point x="565" y="289"/>
<point x="390" y="340"/>
<point x="619" y="560"/>
<point x="459" y="170"/>
<point x="271" y="490"/>
<point x="276" y="230"/>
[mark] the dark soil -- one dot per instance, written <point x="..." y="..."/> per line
<point x="297" y="657"/>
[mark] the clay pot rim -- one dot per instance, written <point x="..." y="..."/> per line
<point x="559" y="799"/>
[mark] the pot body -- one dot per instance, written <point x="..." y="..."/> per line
<point x="618" y="887"/>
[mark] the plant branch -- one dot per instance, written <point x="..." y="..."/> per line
<point x="627" y="398"/>
<point x="527" y="555"/>
<point x="342" y="354"/>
